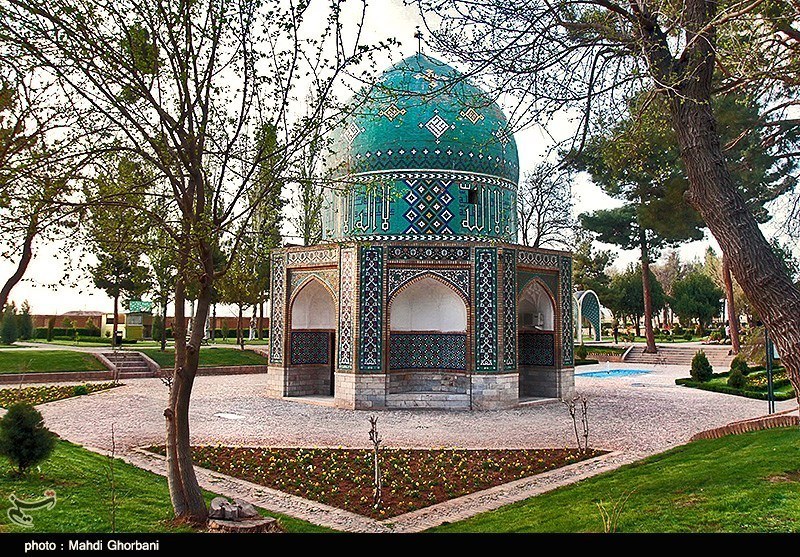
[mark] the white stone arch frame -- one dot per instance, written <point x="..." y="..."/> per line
<point x="536" y="282"/>
<point x="306" y="283"/>
<point x="450" y="286"/>
<point x="419" y="278"/>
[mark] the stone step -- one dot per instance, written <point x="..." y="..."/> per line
<point x="428" y="400"/>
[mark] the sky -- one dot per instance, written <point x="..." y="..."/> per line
<point x="40" y="288"/>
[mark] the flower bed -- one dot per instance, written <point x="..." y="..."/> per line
<point x="412" y="478"/>
<point x="755" y="385"/>
<point x="48" y="393"/>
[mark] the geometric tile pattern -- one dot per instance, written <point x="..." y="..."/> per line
<point x="429" y="209"/>
<point x="278" y="300"/>
<point x="485" y="309"/>
<point x="548" y="279"/>
<point x="509" y="310"/>
<point x="536" y="259"/>
<point x="347" y="310"/>
<point x="458" y="278"/>
<point x="428" y="253"/>
<point x="536" y="349"/>
<point x="324" y="256"/>
<point x="371" y="309"/>
<point x="329" y="277"/>
<point x="310" y="347"/>
<point x="565" y="277"/>
<point x="428" y="351"/>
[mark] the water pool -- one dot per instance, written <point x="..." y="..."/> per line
<point x="614" y="372"/>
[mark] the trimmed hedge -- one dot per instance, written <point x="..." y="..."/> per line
<point x="579" y="362"/>
<point x="732" y="391"/>
<point x="41" y="332"/>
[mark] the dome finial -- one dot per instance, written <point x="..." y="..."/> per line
<point x="418" y="36"/>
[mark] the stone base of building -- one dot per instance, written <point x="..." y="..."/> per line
<point x="493" y="392"/>
<point x="547" y="382"/>
<point x="428" y="381"/>
<point x="360" y="391"/>
<point x="432" y="390"/>
<point x="308" y="380"/>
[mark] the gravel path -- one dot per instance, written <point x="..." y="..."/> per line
<point x="640" y="414"/>
<point x="634" y="416"/>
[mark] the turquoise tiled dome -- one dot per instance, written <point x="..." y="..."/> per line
<point x="423" y="114"/>
<point x="427" y="155"/>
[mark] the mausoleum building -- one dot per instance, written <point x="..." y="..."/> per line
<point x="419" y="296"/>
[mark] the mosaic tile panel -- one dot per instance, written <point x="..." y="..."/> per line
<point x="324" y="256"/>
<point x="310" y="347"/>
<point x="371" y="309"/>
<point x="537" y="259"/>
<point x="278" y="301"/>
<point x="429" y="207"/>
<point x="566" y="311"/>
<point x="347" y="309"/>
<point x="537" y="349"/>
<point x="428" y="351"/>
<point x="509" y="309"/>
<point x="458" y="278"/>
<point x="485" y="309"/>
<point x="428" y="253"/>
<point x="298" y="278"/>
<point x="550" y="280"/>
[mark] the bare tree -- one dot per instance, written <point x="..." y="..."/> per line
<point x="184" y="86"/>
<point x="544" y="208"/>
<point x="592" y="55"/>
<point x="375" y="439"/>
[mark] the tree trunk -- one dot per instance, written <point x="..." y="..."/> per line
<point x="648" y="296"/>
<point x="733" y="317"/>
<point x="239" y="334"/>
<point x="213" y="322"/>
<point x="22" y="266"/>
<point x="116" y="318"/>
<point x="261" y="320"/>
<point x="185" y="493"/>
<point x="637" y="325"/>
<point x="714" y="195"/>
<point x="164" y="326"/>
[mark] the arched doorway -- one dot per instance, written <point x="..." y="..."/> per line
<point x="428" y="338"/>
<point x="536" y="312"/>
<point x="311" y="341"/>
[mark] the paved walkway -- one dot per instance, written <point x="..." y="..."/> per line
<point x="633" y="416"/>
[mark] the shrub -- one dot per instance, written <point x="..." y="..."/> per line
<point x="701" y="369"/>
<point x="739" y="364"/>
<point x="688" y="335"/>
<point x="736" y="379"/>
<point x="8" y="325"/>
<point x="678" y="330"/>
<point x="23" y="438"/>
<point x="51" y="323"/>
<point x="656" y="331"/>
<point x="80" y="390"/>
<point x="581" y="352"/>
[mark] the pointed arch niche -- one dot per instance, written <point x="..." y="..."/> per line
<point x="428" y="338"/>
<point x="311" y="340"/>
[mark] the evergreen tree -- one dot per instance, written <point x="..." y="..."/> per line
<point x="590" y="267"/>
<point x="626" y="297"/>
<point x="8" y="326"/>
<point x="25" y="322"/>
<point x="696" y="297"/>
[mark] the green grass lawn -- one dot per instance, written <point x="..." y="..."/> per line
<point x="209" y="357"/>
<point x="739" y="483"/>
<point x="83" y="494"/>
<point x="40" y="361"/>
<point x="97" y="341"/>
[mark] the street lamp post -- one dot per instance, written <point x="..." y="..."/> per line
<point x="770" y="392"/>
